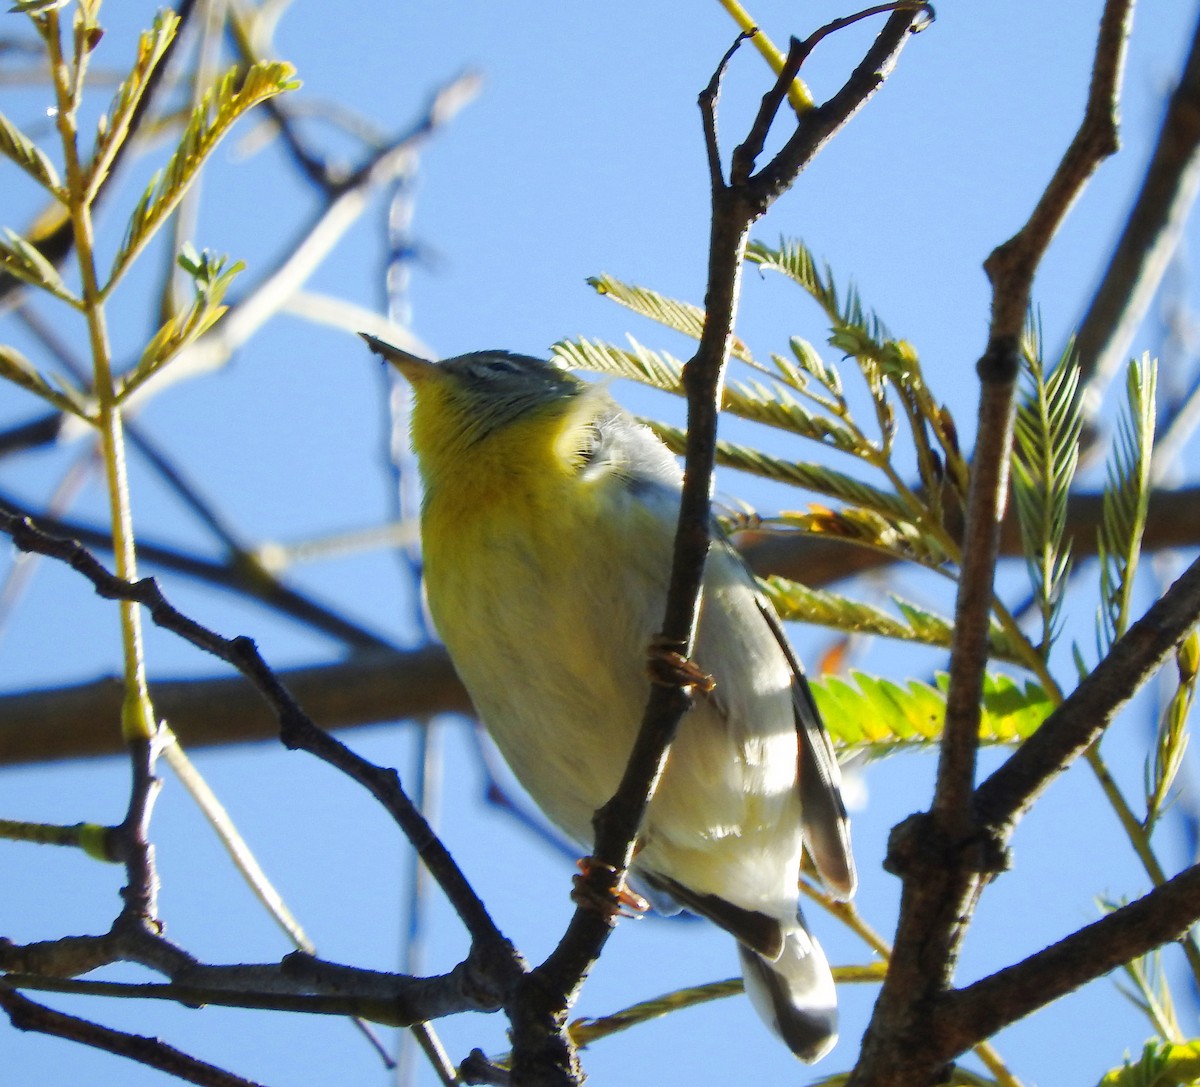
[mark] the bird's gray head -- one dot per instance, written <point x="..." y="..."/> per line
<point x="495" y="388"/>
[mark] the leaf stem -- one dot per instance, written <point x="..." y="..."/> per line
<point x="137" y="716"/>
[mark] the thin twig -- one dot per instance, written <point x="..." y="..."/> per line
<point x="27" y="1015"/>
<point x="1011" y="268"/>
<point x="297" y="729"/>
<point x="1150" y="237"/>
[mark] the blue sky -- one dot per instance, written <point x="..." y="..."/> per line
<point x="582" y="155"/>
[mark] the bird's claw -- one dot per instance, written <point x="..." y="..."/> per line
<point x="612" y="900"/>
<point x="669" y="666"/>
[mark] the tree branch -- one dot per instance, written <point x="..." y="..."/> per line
<point x="27" y="1015"/>
<point x="296" y="728"/>
<point x="942" y="857"/>
<point x="1091" y="707"/>
<point x="979" y="1010"/>
<point x="1148" y="241"/>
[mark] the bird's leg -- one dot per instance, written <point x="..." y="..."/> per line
<point x="614" y="900"/>
<point x="668" y="665"/>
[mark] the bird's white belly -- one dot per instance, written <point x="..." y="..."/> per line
<point x="561" y="685"/>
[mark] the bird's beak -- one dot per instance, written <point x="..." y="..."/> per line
<point x="411" y="366"/>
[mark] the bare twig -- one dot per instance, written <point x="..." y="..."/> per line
<point x="989" y="1005"/>
<point x="1087" y="711"/>
<point x="297" y="729"/>
<point x="27" y="1015"/>
<point x="1148" y="240"/>
<point x="1011" y="268"/>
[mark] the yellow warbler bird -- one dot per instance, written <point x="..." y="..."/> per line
<point x="547" y="525"/>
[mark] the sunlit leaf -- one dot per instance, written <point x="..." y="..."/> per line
<point x="884" y="718"/>
<point x="211" y="278"/>
<point x="1126" y="499"/>
<point x="1171" y="741"/>
<point x="1162" y="1064"/>
<point x="152" y="46"/>
<point x="799" y="603"/>
<point x="681" y="316"/>
<point x="18" y="147"/>
<point x="1045" y="454"/>
<point x="36" y="7"/>
<point x="230" y="97"/>
<point x="16" y="368"/>
<point x="26" y="263"/>
<point x="772" y="406"/>
<point x="811" y="476"/>
<point x="857" y="331"/>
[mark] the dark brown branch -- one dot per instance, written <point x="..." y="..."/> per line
<point x="989" y="1005"/>
<point x="390" y="685"/>
<point x="1011" y="268"/>
<point x="50" y="725"/>
<point x="296" y="728"/>
<point x="542" y="1054"/>
<point x="238" y="574"/>
<point x="27" y="1015"/>
<point x="1091" y="707"/>
<point x="300" y="983"/>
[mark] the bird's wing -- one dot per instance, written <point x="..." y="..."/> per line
<point x="754" y="929"/>
<point x="822" y="813"/>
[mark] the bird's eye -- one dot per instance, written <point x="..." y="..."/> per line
<point x="501" y="366"/>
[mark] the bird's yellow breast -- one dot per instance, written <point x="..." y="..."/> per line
<point x="545" y="584"/>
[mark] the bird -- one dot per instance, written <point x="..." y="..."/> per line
<point x="547" y="521"/>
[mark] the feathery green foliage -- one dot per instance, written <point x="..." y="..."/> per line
<point x="114" y="127"/>
<point x="25" y="261"/>
<point x="19" y="148"/>
<point x="1126" y="498"/>
<point x="795" y="602"/>
<point x="211" y="277"/>
<point x="758" y="403"/>
<point x="227" y="100"/>
<point x="855" y="330"/>
<point x="884" y="718"/>
<point x="16" y="368"/>
<point x="1162" y="1064"/>
<point x="1171" y="742"/>
<point x="1046" y="452"/>
<point x="814" y="477"/>
<point x="681" y="316"/>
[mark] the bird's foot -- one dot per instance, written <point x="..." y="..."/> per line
<point x="613" y="898"/>
<point x="669" y="666"/>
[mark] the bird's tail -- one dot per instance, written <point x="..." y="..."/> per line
<point x="794" y="994"/>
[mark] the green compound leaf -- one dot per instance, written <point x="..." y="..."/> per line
<point x="855" y="330"/>
<point x="1125" y="502"/>
<point x="795" y="602"/>
<point x="756" y="402"/>
<point x="1162" y="1064"/>
<point x="884" y="718"/>
<point x="18" y="147"/>
<point x="1045" y="455"/>
<point x="152" y="46"/>
<point x="814" y="477"/>
<point x="681" y="316"/>
<point x="26" y="263"/>
<point x="16" y="368"/>
<point x="214" y="115"/>
<point x="211" y="278"/>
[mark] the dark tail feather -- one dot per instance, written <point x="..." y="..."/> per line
<point x="794" y="994"/>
